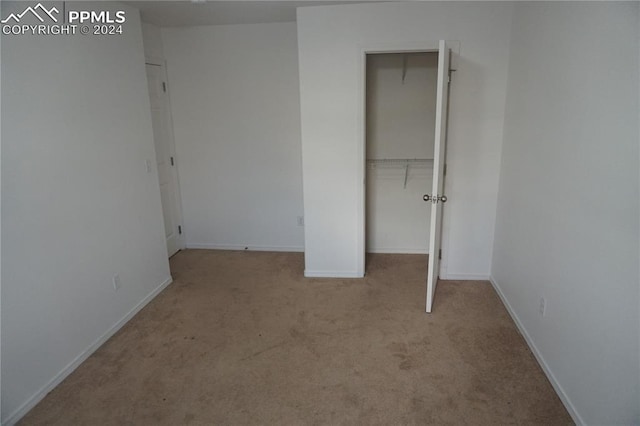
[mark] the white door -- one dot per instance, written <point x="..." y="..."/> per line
<point x="437" y="197"/>
<point x="165" y="156"/>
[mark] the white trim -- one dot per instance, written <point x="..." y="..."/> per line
<point x="464" y="277"/>
<point x="332" y="274"/>
<point x="401" y="47"/>
<point x="545" y="367"/>
<point x="21" y="411"/>
<point x="395" y="250"/>
<point x="240" y="247"/>
<point x="361" y="164"/>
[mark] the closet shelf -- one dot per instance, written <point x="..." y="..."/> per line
<point x="403" y="162"/>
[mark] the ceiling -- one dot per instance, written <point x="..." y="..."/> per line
<point x="189" y="13"/>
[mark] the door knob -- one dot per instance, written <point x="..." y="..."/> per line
<point x="435" y="198"/>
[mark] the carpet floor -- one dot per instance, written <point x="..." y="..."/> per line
<point x="242" y="338"/>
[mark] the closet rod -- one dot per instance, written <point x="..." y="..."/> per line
<point x="404" y="162"/>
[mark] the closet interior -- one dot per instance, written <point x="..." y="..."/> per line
<point x="400" y="121"/>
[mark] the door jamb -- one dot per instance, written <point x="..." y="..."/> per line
<point x="408" y="47"/>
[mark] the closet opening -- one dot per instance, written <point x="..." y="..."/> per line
<point x="402" y="157"/>
<point x="401" y="91"/>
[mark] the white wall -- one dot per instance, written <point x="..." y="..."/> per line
<point x="1" y="133"/>
<point x="567" y="222"/>
<point x="330" y="39"/>
<point x="152" y="41"/>
<point x="397" y="217"/>
<point x="77" y="203"/>
<point x="235" y="103"/>
<point x="401" y="116"/>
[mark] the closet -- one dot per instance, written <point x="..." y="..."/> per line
<point x="400" y="123"/>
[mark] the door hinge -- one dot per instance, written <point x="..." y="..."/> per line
<point x="439" y="254"/>
<point x="164" y="85"/>
<point x="180" y="229"/>
<point x="172" y="163"/>
<point x="444" y="172"/>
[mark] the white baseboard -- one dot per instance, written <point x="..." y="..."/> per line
<point x="332" y="274"/>
<point x="398" y="250"/>
<point x="20" y="412"/>
<point x="545" y="367"/>
<point x="464" y="277"/>
<point x="242" y="247"/>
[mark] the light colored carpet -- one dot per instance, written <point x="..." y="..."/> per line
<point x="242" y="338"/>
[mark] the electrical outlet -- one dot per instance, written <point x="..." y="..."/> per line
<point x="300" y="220"/>
<point x="116" y="282"/>
<point x="543" y="306"/>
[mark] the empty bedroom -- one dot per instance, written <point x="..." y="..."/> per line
<point x="292" y="213"/>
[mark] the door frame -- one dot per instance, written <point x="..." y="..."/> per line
<point x="152" y="60"/>
<point x="402" y="47"/>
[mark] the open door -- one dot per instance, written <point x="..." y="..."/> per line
<point x="165" y="156"/>
<point x="437" y="197"/>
